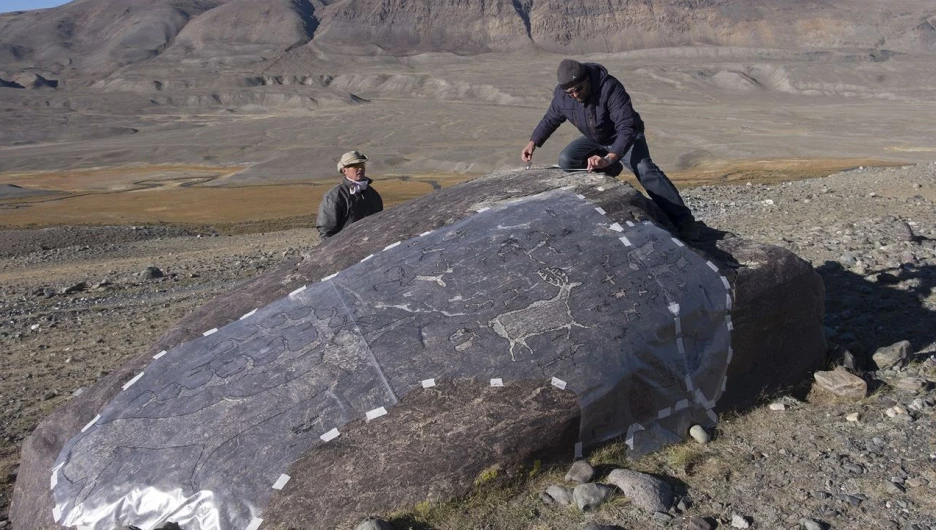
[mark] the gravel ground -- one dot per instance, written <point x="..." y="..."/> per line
<point x="76" y="302"/>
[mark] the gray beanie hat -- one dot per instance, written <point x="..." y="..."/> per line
<point x="570" y="73"/>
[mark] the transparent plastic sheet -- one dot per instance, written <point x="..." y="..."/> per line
<point x="544" y="288"/>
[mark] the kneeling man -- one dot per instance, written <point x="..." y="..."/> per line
<point x="350" y="201"/>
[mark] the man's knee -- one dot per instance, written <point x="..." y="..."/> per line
<point x="567" y="161"/>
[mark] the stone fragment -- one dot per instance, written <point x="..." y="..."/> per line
<point x="151" y="273"/>
<point x="893" y="355"/>
<point x="739" y="521"/>
<point x="777" y="406"/>
<point x="810" y="524"/>
<point x="590" y="496"/>
<point x="842" y="383"/>
<point x="580" y="473"/>
<point x="372" y="523"/>
<point x="560" y="494"/>
<point x="911" y="384"/>
<point x="698" y="523"/>
<point x="646" y="492"/>
<point x="853" y="417"/>
<point x="699" y="434"/>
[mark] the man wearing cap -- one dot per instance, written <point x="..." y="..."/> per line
<point x="350" y="201"/>
<point x="597" y="104"/>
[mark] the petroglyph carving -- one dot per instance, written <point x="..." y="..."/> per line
<point x="542" y="316"/>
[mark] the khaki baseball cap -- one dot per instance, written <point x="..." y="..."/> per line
<point x="350" y="158"/>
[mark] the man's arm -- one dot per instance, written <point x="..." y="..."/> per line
<point x="548" y="125"/>
<point x="327" y="220"/>
<point x="622" y="114"/>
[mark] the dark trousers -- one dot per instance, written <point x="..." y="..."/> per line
<point x="637" y="159"/>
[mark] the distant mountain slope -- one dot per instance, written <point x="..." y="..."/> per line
<point x="99" y="36"/>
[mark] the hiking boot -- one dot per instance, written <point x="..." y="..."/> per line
<point x="688" y="230"/>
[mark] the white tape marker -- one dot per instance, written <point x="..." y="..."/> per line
<point x="159" y="355"/>
<point x="56" y="513"/>
<point x="578" y="450"/>
<point x="497" y="382"/>
<point x="712" y="415"/>
<point x="678" y="242"/>
<point x="54" y="481"/>
<point x="248" y="315"/>
<point x="724" y="383"/>
<point x="567" y="188"/>
<point x="617" y="227"/>
<point x="581" y="197"/>
<point x="325" y="279"/>
<point x="726" y="283"/>
<point x="486" y="208"/>
<point x="376" y="413"/>
<point x="129" y="383"/>
<point x="681" y="404"/>
<point x="558" y="383"/>
<point x="428" y="383"/>
<point x="91" y="423"/>
<point x="281" y="482"/>
<point x="728" y="323"/>
<point x="254" y="524"/>
<point x="689" y="386"/>
<point x="631" y="431"/>
<point x="712" y="266"/>
<point x="673" y="308"/>
<point x="678" y="323"/>
<point x="600" y="188"/>
<point x="599" y="209"/>
<point x="330" y="435"/>
<point x="728" y="301"/>
<point x="297" y="291"/>
<point x="369" y="256"/>
<point x="665" y="413"/>
<point x="700" y="397"/>
<point x="680" y="346"/>
<point x="211" y="331"/>
<point x="391" y="245"/>
<point x="424" y="234"/>
<point x="631" y="224"/>
<point x="626" y="241"/>
<point x="730" y="355"/>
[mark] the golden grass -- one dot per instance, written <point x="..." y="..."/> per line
<point x="191" y="194"/>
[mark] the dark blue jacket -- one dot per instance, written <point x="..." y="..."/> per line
<point x="606" y="116"/>
<point x="340" y="207"/>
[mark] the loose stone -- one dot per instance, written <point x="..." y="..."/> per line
<point x="699" y="434"/>
<point x="590" y="496"/>
<point x="581" y="472"/>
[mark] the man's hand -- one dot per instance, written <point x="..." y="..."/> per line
<point x="598" y="162"/>
<point x="527" y="153"/>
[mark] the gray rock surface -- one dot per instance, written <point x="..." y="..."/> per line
<point x="842" y="383"/>
<point x="589" y="497"/>
<point x="560" y="494"/>
<point x="647" y="492"/>
<point x="580" y="472"/>
<point x="894" y="355"/>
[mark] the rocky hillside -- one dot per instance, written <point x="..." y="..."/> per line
<point x="100" y="36"/>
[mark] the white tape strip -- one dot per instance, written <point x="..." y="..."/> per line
<point x="673" y="308"/>
<point x="367" y="258"/>
<point x="631" y="224"/>
<point x="129" y="383"/>
<point x="726" y="283"/>
<point x="631" y="431"/>
<point x="689" y="386"/>
<point x="159" y="355"/>
<point x="578" y="450"/>
<point x="497" y="382"/>
<point x="424" y="234"/>
<point x="486" y="208"/>
<point x="211" y="331"/>
<point x="56" y="513"/>
<point x="626" y="241"/>
<point x="680" y="346"/>
<point x="391" y="245"/>
<point x="665" y="413"/>
<point x="54" y="481"/>
<point x="681" y="404"/>
<point x="330" y="435"/>
<point x="712" y="266"/>
<point x="678" y="242"/>
<point x="712" y="415"/>
<point x="678" y="325"/>
<point x="728" y="323"/>
<point x="558" y="383"/>
<point x="728" y="301"/>
<point x="297" y="291"/>
<point x="281" y="482"/>
<point x="248" y="315"/>
<point x="91" y="423"/>
<point x="325" y="279"/>
<point x="730" y="355"/>
<point x="700" y="397"/>
<point x="428" y="383"/>
<point x="599" y="209"/>
<point x="724" y="383"/>
<point x="580" y="196"/>
<point x="616" y="227"/>
<point x="376" y="413"/>
<point x="600" y="188"/>
<point x="254" y="524"/>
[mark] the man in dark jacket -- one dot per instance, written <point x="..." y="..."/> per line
<point x="350" y="201"/>
<point x="597" y="104"/>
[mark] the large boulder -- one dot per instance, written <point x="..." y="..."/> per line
<point x="453" y="339"/>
